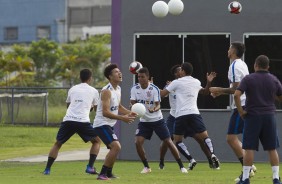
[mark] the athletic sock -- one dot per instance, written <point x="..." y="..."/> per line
<point x="183" y="150"/>
<point x="208" y="143"/>
<point x="275" y="172"/>
<point x="180" y="163"/>
<point x="104" y="170"/>
<point x="50" y="162"/>
<point x="145" y="163"/>
<point x="246" y="172"/>
<point x="92" y="159"/>
<point x="162" y="161"/>
<point x="241" y="160"/>
<point x="109" y="171"/>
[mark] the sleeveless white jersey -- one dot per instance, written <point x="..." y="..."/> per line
<point x="237" y="71"/>
<point x="147" y="97"/>
<point x="186" y="90"/>
<point x="101" y="120"/>
<point x="81" y="97"/>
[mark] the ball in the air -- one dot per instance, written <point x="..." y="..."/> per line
<point x="139" y="109"/>
<point x="160" y="9"/>
<point x="235" y="7"/>
<point x="175" y="7"/>
<point x="134" y="67"/>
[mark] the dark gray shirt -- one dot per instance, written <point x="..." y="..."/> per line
<point x="260" y="88"/>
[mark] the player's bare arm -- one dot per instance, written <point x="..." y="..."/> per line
<point x="217" y="91"/>
<point x="157" y="106"/>
<point x="164" y="92"/>
<point x="237" y="100"/>
<point x="106" y="101"/>
<point x="210" y="77"/>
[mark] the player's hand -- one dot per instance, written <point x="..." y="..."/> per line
<point x="128" y="118"/>
<point x="215" y="91"/>
<point x="211" y="76"/>
<point x="152" y="110"/>
<point x="243" y="114"/>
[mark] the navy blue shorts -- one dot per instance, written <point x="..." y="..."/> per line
<point x="189" y="125"/>
<point x="170" y="122"/>
<point x="236" y="123"/>
<point x="106" y="134"/>
<point x="260" y="128"/>
<point x="146" y="129"/>
<point x="69" y="128"/>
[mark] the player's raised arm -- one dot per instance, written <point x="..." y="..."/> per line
<point x="210" y="77"/>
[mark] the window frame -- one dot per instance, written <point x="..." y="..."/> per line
<point x="6" y="34"/>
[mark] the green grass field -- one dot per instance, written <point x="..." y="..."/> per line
<point x="27" y="141"/>
<point x="20" y="141"/>
<point x="129" y="172"/>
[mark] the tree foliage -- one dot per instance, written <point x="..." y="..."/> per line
<point x="46" y="63"/>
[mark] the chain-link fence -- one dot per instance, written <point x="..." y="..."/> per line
<point x="33" y="106"/>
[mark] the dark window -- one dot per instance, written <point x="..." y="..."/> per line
<point x="269" y="45"/>
<point x="209" y="53"/>
<point x="206" y="52"/>
<point x="11" y="33"/>
<point x="80" y="16"/>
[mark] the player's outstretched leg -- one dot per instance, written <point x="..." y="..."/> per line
<point x="184" y="151"/>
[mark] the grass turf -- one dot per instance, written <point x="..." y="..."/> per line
<point x="128" y="171"/>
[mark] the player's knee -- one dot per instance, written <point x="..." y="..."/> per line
<point x="116" y="146"/>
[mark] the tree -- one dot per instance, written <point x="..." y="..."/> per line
<point x="17" y="62"/>
<point x="45" y="54"/>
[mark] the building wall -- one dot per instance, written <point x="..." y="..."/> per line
<point x="198" y="17"/>
<point x="28" y="14"/>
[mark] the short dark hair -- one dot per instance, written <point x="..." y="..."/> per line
<point x="239" y="47"/>
<point x="173" y="69"/>
<point x="187" y="67"/>
<point x="85" y="75"/>
<point x="144" y="70"/>
<point x="108" y="69"/>
<point x="262" y="61"/>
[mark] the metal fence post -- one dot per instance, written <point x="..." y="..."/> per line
<point x="12" y="101"/>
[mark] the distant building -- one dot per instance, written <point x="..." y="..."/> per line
<point x="24" y="21"/>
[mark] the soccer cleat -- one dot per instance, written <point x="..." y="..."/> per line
<point x="183" y="170"/>
<point x="276" y="181"/>
<point x="215" y="162"/>
<point x="102" y="177"/>
<point x="252" y="174"/>
<point x="246" y="181"/>
<point x="46" y="171"/>
<point x="254" y="168"/>
<point x="192" y="164"/>
<point x="91" y="170"/>
<point x="161" y="166"/>
<point x="146" y="170"/>
<point x="112" y="176"/>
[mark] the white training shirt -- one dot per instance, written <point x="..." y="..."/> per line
<point x="186" y="90"/>
<point x="172" y="103"/>
<point x="101" y="120"/>
<point x="148" y="97"/>
<point x="81" y="98"/>
<point x="237" y="71"/>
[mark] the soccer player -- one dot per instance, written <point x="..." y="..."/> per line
<point x="81" y="99"/>
<point x="148" y="94"/>
<point x="188" y="120"/>
<point x="237" y="71"/>
<point x="261" y="89"/>
<point x="110" y="110"/>
<point x="170" y="121"/>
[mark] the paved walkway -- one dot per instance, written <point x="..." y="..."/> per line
<point x="63" y="156"/>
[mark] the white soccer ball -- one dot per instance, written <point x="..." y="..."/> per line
<point x="234" y="7"/>
<point x="160" y="9"/>
<point x="175" y="7"/>
<point x="134" y="67"/>
<point x="139" y="109"/>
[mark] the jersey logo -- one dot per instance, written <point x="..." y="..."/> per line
<point x="150" y="88"/>
<point x="137" y="87"/>
<point x="114" y="108"/>
<point x="149" y="93"/>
